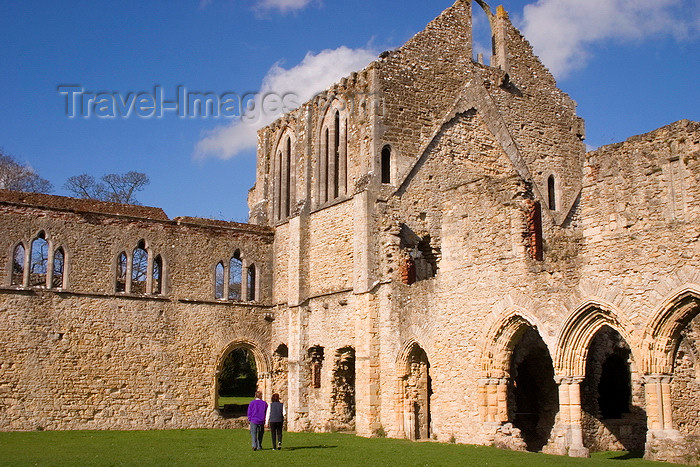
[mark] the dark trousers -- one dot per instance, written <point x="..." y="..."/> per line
<point x="276" y="431"/>
<point x="256" y="434"/>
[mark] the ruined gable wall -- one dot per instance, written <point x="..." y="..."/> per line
<point x="477" y="210"/>
<point x="541" y="118"/>
<point x="420" y="83"/>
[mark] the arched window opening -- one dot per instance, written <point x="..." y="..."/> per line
<point x="120" y="285"/>
<point x="316" y="357"/>
<point x="237" y="382"/>
<point x="278" y="190"/>
<point x="59" y="260"/>
<point x="336" y="156"/>
<point x="386" y="164"/>
<point x="533" y="396"/>
<point x="288" y="181"/>
<point x="685" y="384"/>
<point x="219" y="281"/>
<point x="326" y="165"/>
<point x="612" y="403"/>
<point x="18" y="265"/>
<point x="235" y="272"/>
<point x="482" y="36"/>
<point x="139" y="269"/>
<point x="534" y="230"/>
<point x="417" y="391"/>
<point x="343" y="390"/>
<point x="251" y="283"/>
<point x="551" y="198"/>
<point x="157" y="275"/>
<point x="39" y="261"/>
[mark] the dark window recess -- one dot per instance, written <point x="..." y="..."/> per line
<point x="18" y="265"/>
<point x="316" y="356"/>
<point x="251" y="283"/>
<point x="552" y="198"/>
<point x="386" y="164"/>
<point x="419" y="260"/>
<point x="120" y="285"/>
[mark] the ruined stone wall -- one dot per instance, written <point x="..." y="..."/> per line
<point x="329" y="254"/>
<point x="87" y="357"/>
<point x="476" y="213"/>
<point x="420" y="83"/>
<point x="541" y="119"/>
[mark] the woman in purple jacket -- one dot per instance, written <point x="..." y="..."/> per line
<point x="256" y="416"/>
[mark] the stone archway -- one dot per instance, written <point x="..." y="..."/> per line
<point x="612" y="401"/>
<point x="242" y="370"/>
<point x="685" y="383"/>
<point x="672" y="379"/>
<point x="416" y="390"/>
<point x="533" y="397"/>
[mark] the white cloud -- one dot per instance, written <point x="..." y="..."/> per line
<point x="283" y="6"/>
<point x="294" y="86"/>
<point x="563" y="32"/>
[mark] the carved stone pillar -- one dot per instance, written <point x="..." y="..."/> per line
<point x="570" y="415"/>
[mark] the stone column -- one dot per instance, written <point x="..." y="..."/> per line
<point x="664" y="443"/>
<point x="570" y="415"/>
<point x="493" y="404"/>
<point x="297" y="379"/>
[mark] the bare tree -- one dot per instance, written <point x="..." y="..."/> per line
<point x="17" y="177"/>
<point x="117" y="188"/>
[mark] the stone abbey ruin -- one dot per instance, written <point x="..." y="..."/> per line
<point x="431" y="254"/>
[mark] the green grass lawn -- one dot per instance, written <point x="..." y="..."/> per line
<point x="232" y="447"/>
<point x="241" y="400"/>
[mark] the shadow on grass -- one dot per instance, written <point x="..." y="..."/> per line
<point x="622" y="456"/>
<point x="320" y="446"/>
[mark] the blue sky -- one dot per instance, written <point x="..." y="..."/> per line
<point x="632" y="66"/>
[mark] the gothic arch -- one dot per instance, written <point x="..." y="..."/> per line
<point x="331" y="167"/>
<point x="578" y="331"/>
<point x="262" y="363"/>
<point x="662" y="332"/>
<point x="284" y="174"/>
<point x="414" y="390"/>
<point x="500" y="341"/>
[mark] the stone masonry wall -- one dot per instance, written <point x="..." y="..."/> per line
<point x="87" y="357"/>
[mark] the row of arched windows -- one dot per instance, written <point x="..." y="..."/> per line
<point x="332" y="158"/>
<point x="229" y="281"/>
<point x="42" y="265"/>
<point x="137" y="273"/>
<point x="330" y="168"/>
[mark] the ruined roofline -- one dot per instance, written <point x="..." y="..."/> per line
<point x="228" y="225"/>
<point x="78" y="205"/>
<point x="106" y="208"/>
<point x="679" y="125"/>
<point x="383" y="56"/>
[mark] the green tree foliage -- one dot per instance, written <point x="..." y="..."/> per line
<point x="17" y="177"/>
<point x="239" y="375"/>
<point x="117" y="188"/>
